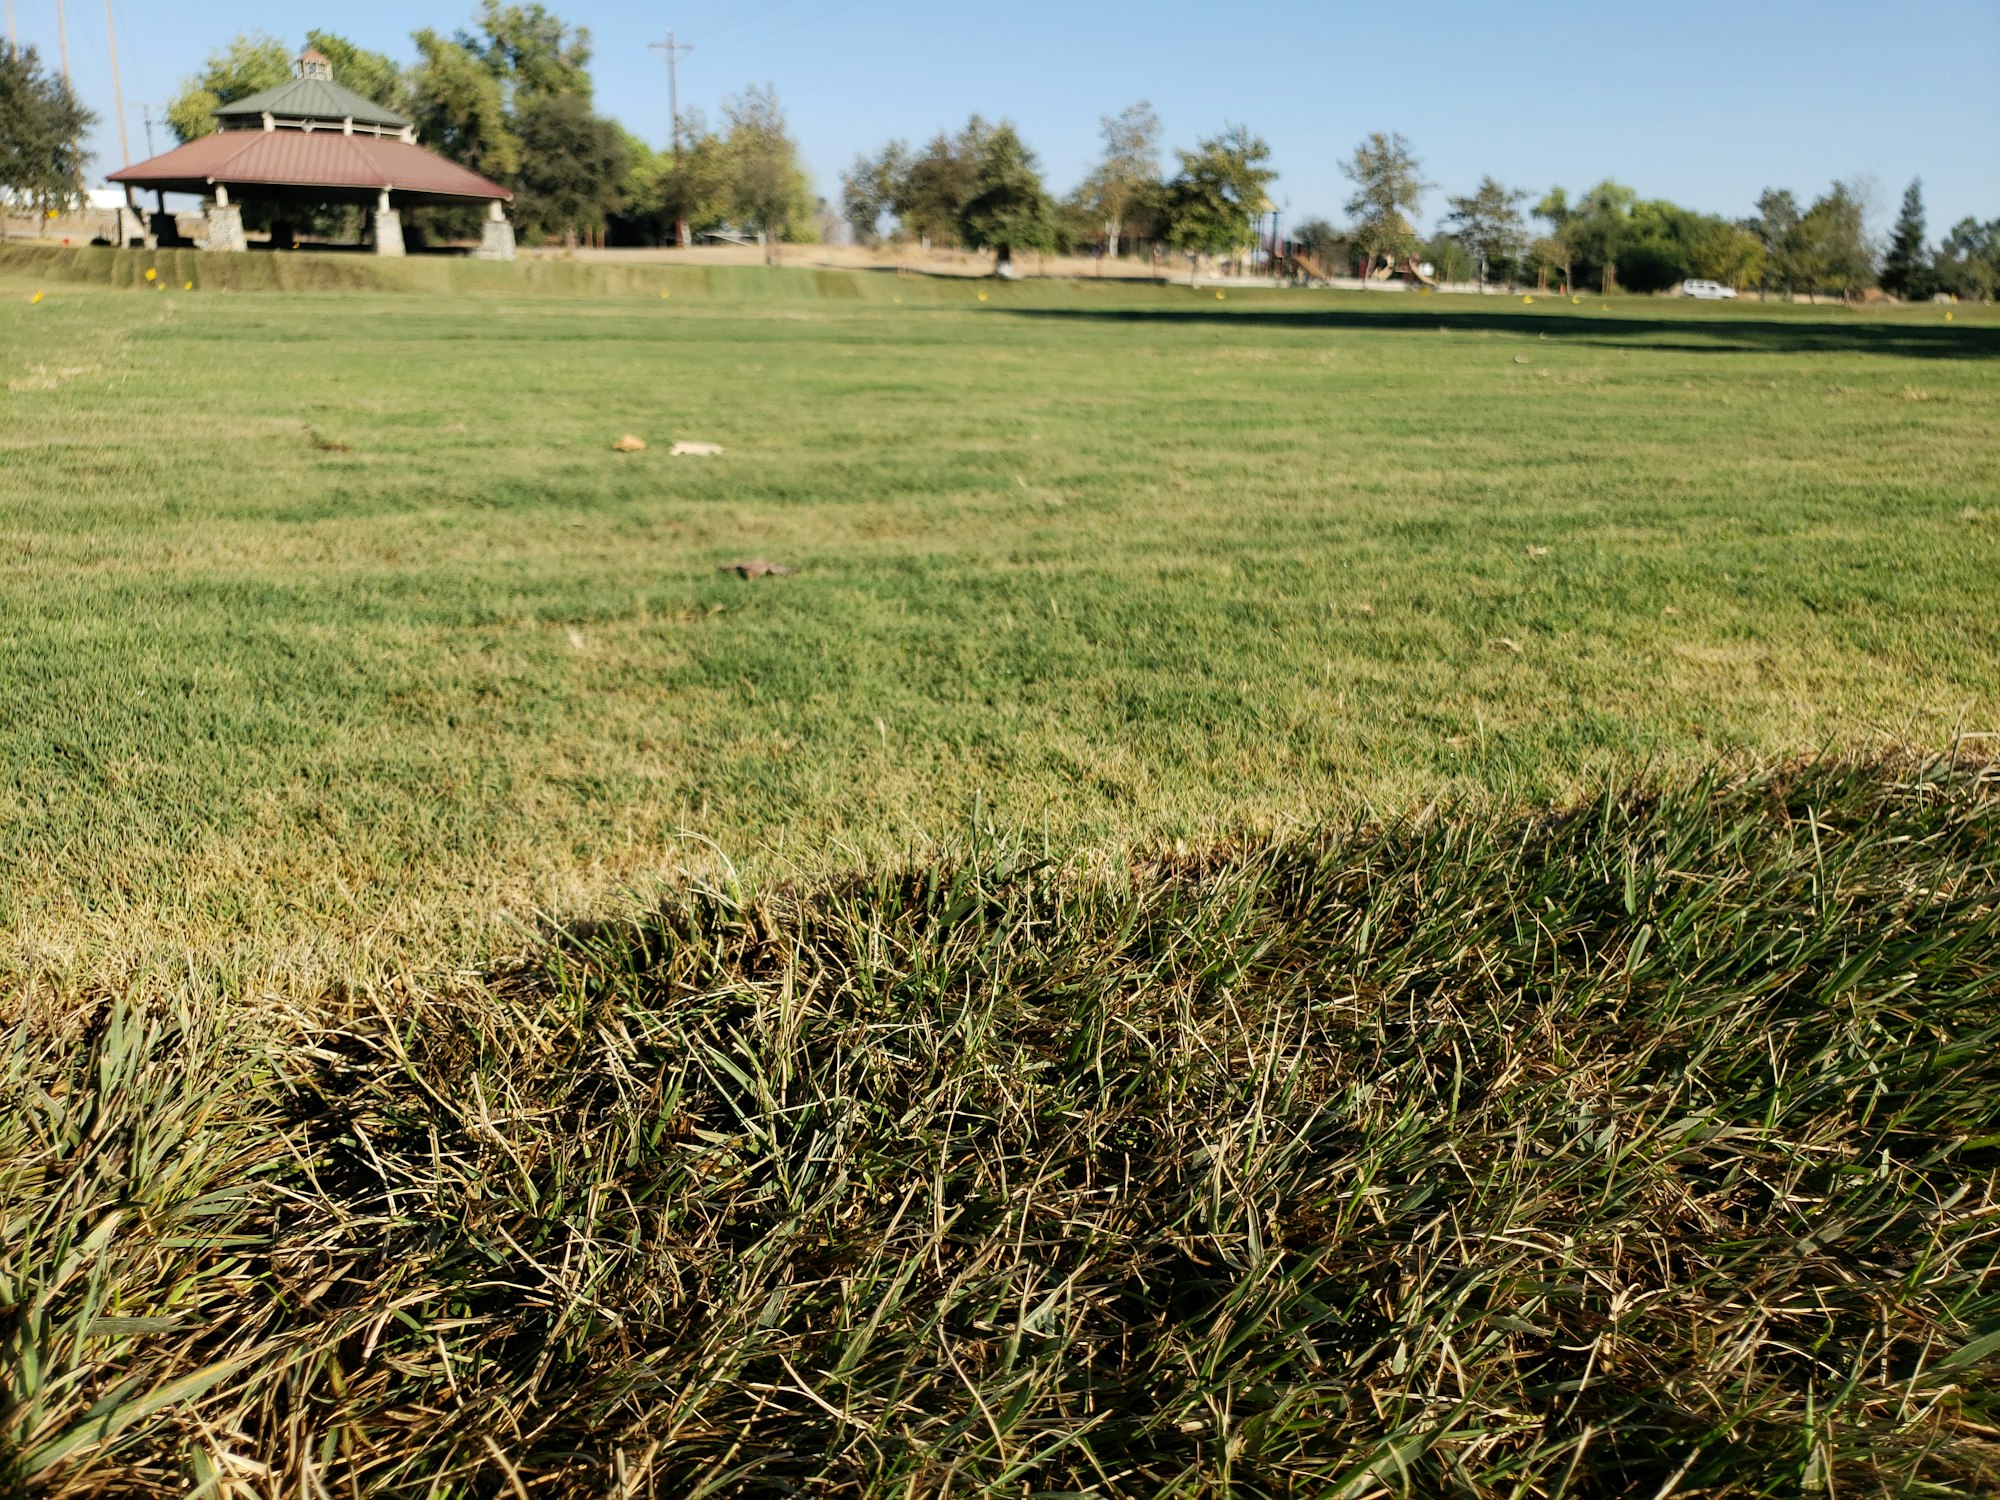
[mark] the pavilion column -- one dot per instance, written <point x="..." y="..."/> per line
<point x="496" y="235"/>
<point x="225" y="223"/>
<point x="132" y="230"/>
<point x="388" y="227"/>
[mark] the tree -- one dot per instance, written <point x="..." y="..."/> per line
<point x="1728" y="253"/>
<point x="1830" y="243"/>
<point x="1009" y="208"/>
<point x="1555" y="250"/>
<point x="1218" y="192"/>
<point x="1487" y="222"/>
<point x="1388" y="187"/>
<point x="572" y="164"/>
<point x="459" y="108"/>
<point x="1129" y="171"/>
<point x="868" y="189"/>
<point x="248" y="65"/>
<point x="1599" y="229"/>
<point x="372" y="75"/>
<point x="1968" y="262"/>
<point x="530" y="51"/>
<point x="1906" y="266"/>
<point x="767" y="185"/>
<point x="1776" y="228"/>
<point x="931" y="194"/>
<point x="41" y="131"/>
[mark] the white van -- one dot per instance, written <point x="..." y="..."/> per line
<point x="1709" y="291"/>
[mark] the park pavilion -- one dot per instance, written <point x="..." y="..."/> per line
<point x="311" y="141"/>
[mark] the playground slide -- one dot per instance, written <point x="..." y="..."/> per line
<point x="1416" y="272"/>
<point x="1313" y="269"/>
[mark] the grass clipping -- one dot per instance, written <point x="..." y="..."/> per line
<point x="1644" y="1149"/>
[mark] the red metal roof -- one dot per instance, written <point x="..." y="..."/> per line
<point x="308" y="158"/>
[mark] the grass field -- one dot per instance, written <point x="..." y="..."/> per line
<point x="339" y="638"/>
<point x="1300" y="896"/>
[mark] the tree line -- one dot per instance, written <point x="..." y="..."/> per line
<point x="510" y="96"/>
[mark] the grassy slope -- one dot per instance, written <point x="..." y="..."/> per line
<point x="334" y="628"/>
<point x="1647" y="1149"/>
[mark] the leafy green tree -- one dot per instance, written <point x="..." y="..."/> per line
<point x="460" y="109"/>
<point x="1599" y="229"/>
<point x="1727" y="253"/>
<point x="868" y="189"/>
<point x="767" y="183"/>
<point x="1968" y="261"/>
<point x="372" y="75"/>
<point x="1487" y="222"/>
<point x="41" y="132"/>
<point x="1213" y="201"/>
<point x="530" y="51"/>
<point x="659" y="194"/>
<point x="1009" y="208"/>
<point x="935" y="186"/>
<point x="572" y="166"/>
<point x="248" y="65"/>
<point x="1906" y="267"/>
<point x="1129" y="171"/>
<point x="1776" y="225"/>
<point x="1388" y="187"/>
<point x="1830" y="243"/>
<point x="1555" y="251"/>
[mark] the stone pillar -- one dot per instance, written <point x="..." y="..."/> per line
<point x="496" y="235"/>
<point x="224" y="224"/>
<point x="132" y="230"/>
<point x="388" y="227"/>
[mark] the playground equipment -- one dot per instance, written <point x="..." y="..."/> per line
<point x="1410" y="267"/>
<point x="1301" y="263"/>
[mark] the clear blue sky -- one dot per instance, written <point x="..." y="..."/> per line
<point x="1702" y="103"/>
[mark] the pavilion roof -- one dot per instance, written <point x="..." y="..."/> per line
<point x="311" y="99"/>
<point x="308" y="159"/>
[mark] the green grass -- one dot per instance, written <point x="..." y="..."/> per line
<point x="1649" y="1148"/>
<point x="339" y="641"/>
<point x="1232" y="930"/>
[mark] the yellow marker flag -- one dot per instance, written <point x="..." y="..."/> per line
<point x="36" y="298"/>
<point x="1221" y="297"/>
<point x="982" y="296"/>
<point x="152" y="275"/>
<point x="187" y="286"/>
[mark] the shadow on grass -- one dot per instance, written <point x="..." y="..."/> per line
<point x="1689" y="335"/>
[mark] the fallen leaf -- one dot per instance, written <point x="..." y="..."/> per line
<point x="756" y="567"/>
<point x="1520" y="359"/>
<point x="1538" y="552"/>
<point x="1505" y="643"/>
<point x="629" y="444"/>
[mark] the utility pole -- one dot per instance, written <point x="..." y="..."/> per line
<point x="146" y="113"/>
<point x="62" y="39"/>
<point x="13" y="44"/>
<point x="674" y="51"/>
<point x="117" y="93"/>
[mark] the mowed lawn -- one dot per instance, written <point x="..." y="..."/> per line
<point x="337" y="636"/>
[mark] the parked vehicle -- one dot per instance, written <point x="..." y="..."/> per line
<point x="1709" y="291"/>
